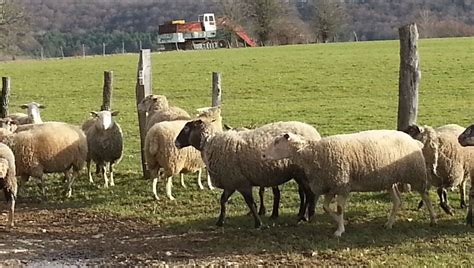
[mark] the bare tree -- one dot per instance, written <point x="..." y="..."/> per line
<point x="264" y="14"/>
<point x="13" y="24"/>
<point x="329" y="17"/>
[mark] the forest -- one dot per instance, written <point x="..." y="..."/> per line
<point x="61" y="27"/>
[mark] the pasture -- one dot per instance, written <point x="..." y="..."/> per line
<point x="338" y="88"/>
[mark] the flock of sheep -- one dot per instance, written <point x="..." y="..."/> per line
<point x="240" y="159"/>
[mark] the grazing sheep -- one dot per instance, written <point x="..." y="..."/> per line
<point x="105" y="144"/>
<point x="466" y="138"/>
<point x="160" y="151"/>
<point x="159" y="110"/>
<point x="48" y="148"/>
<point x="362" y="162"/>
<point x="234" y="162"/>
<point x="452" y="164"/>
<point x="8" y="180"/>
<point x="33" y="114"/>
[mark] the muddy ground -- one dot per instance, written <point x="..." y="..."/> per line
<point x="74" y="237"/>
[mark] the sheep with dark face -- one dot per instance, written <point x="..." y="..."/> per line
<point x="466" y="138"/>
<point x="234" y="163"/>
<point x="105" y="144"/>
<point x="8" y="180"/>
<point x="361" y="162"/>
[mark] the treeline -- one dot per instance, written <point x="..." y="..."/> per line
<point x="66" y="25"/>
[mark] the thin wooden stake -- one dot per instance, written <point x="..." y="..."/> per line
<point x="5" y="97"/>
<point x="107" y="91"/>
<point x="216" y="89"/>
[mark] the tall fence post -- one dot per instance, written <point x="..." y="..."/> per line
<point x="216" y="89"/>
<point x="107" y="91"/>
<point x="410" y="75"/>
<point x="83" y="51"/>
<point x="103" y="49"/>
<point x="5" y="97"/>
<point x="143" y="88"/>
<point x="42" y="53"/>
<point x="123" y="47"/>
<point x="62" y="52"/>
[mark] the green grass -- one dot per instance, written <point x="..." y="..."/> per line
<point x="339" y="88"/>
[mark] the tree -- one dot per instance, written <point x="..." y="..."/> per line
<point x="13" y="25"/>
<point x="329" y="17"/>
<point x="264" y="14"/>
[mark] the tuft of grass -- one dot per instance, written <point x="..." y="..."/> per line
<point x="339" y="88"/>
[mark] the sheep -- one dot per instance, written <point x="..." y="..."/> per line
<point x="275" y="190"/>
<point x="105" y="144"/>
<point x="452" y="164"/>
<point x="159" y="110"/>
<point x="8" y="180"/>
<point x="48" y="148"/>
<point x="466" y="138"/>
<point x="361" y="162"/>
<point x="160" y="151"/>
<point x="234" y="163"/>
<point x="33" y="114"/>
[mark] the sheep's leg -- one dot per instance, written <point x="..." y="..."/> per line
<point x="169" y="185"/>
<point x="42" y="188"/>
<point x="224" y="198"/>
<point x="111" y="172"/>
<point x="426" y="199"/>
<point x="261" y="194"/>
<point x="181" y="176"/>
<point x="199" y="179"/>
<point x="326" y="205"/>
<point x="11" y="198"/>
<point x="247" y="194"/>
<point x="155" y="182"/>
<point x="303" y="204"/>
<point x="443" y="201"/>
<point x="89" y="173"/>
<point x="104" y="175"/>
<point x="339" y="216"/>
<point x="462" y="194"/>
<point x="469" y="215"/>
<point x="276" y="202"/>
<point x="396" y="204"/>
<point x="71" y="179"/>
<point x="209" y="182"/>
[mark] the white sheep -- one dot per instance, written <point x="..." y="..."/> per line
<point x="234" y="162"/>
<point x="466" y="138"/>
<point x="33" y="114"/>
<point x="105" y="144"/>
<point x="161" y="153"/>
<point x="8" y="180"/>
<point x="362" y="162"/>
<point x="452" y="165"/>
<point x="159" y="110"/>
<point x="48" y="148"/>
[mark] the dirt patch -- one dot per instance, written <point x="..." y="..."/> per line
<point x="75" y="237"/>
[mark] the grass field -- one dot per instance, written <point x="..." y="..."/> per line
<point x="339" y="88"/>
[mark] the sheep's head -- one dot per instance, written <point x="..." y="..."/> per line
<point x="194" y="133"/>
<point x="213" y="115"/>
<point x="467" y="137"/>
<point x="283" y="146"/>
<point x="153" y="102"/>
<point x="104" y="119"/>
<point x="33" y="110"/>
<point x="414" y="131"/>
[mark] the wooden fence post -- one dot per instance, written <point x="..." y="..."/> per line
<point x="107" y="91"/>
<point x="103" y="49"/>
<point x="83" y="51"/>
<point x="143" y="88"/>
<point x="216" y="89"/>
<point x="42" y="53"/>
<point x="5" y="97"/>
<point x="62" y="52"/>
<point x="409" y="78"/>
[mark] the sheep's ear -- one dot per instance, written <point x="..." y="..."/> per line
<point x="413" y="130"/>
<point x="94" y="114"/>
<point x="24" y="106"/>
<point x="13" y="122"/>
<point x="114" y="113"/>
<point x="154" y="98"/>
<point x="42" y="106"/>
<point x="286" y="136"/>
<point x="227" y="127"/>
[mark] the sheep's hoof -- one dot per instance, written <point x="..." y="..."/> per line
<point x="420" y="204"/>
<point x="171" y="198"/>
<point x="274" y="217"/>
<point x="211" y="187"/>
<point x="156" y="197"/>
<point x="338" y="233"/>
<point x="302" y="219"/>
<point x="220" y="223"/>
<point x="262" y="211"/>
<point x="258" y="225"/>
<point x="463" y="204"/>
<point x="112" y="184"/>
<point x="469" y="221"/>
<point x="447" y="209"/>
